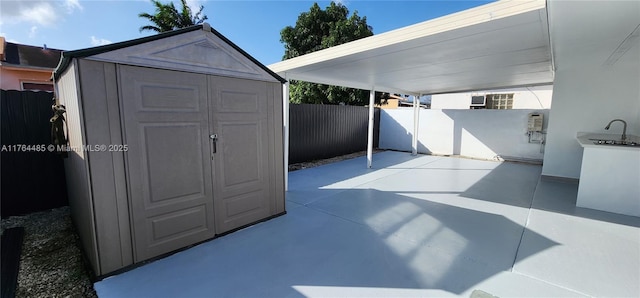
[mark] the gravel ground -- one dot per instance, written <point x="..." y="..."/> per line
<point x="51" y="264"/>
<point x="315" y="163"/>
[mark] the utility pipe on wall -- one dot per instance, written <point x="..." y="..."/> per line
<point x="372" y="95"/>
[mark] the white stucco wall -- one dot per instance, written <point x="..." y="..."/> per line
<point x="585" y="100"/>
<point x="589" y="91"/>
<point x="485" y="134"/>
<point x="536" y="97"/>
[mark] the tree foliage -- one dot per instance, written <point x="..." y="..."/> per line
<point x="319" y="29"/>
<point x="167" y="17"/>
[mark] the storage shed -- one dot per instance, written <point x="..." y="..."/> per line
<point x="175" y="138"/>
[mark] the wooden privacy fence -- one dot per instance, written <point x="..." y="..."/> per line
<point x="32" y="177"/>
<point x="324" y="131"/>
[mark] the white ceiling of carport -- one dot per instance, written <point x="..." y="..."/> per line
<point x="501" y="44"/>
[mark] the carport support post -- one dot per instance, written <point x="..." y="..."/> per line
<point x="285" y="122"/>
<point x="372" y="96"/>
<point x="416" y="119"/>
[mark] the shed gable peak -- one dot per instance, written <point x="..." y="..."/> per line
<point x="204" y="53"/>
<point x="196" y="51"/>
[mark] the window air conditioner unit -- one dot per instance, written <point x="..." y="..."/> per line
<point x="478" y="101"/>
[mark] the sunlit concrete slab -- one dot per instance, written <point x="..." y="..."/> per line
<point x="302" y="248"/>
<point x="508" y="284"/>
<point x="354" y="171"/>
<point x="311" y="184"/>
<point x="467" y="234"/>
<point x="414" y="226"/>
<point x="597" y="252"/>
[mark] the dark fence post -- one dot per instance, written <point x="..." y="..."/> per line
<point x="32" y="179"/>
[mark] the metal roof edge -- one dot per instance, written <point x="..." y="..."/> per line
<point x="494" y="89"/>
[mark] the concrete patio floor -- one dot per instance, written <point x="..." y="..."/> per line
<point x="412" y="226"/>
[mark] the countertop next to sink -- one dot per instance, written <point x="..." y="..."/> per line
<point x="586" y="139"/>
<point x="610" y="175"/>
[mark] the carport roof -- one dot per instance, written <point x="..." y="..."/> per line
<point x="501" y="44"/>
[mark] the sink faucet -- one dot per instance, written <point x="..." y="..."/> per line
<point x="624" y="129"/>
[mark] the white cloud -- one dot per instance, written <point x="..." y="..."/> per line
<point x="38" y="12"/>
<point x="193" y="4"/>
<point x="99" y="41"/>
<point x="72" y="5"/>
<point x="33" y="31"/>
<point x="41" y="13"/>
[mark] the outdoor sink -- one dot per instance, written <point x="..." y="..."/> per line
<point x="614" y="142"/>
<point x="609" y="173"/>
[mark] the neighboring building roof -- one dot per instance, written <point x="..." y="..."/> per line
<point x="67" y="56"/>
<point x="19" y="55"/>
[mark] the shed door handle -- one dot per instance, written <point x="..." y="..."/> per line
<point x="214" y="141"/>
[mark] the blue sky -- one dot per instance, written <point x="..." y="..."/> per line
<point x="253" y="25"/>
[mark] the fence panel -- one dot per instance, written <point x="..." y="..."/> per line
<point x="31" y="181"/>
<point x="325" y="131"/>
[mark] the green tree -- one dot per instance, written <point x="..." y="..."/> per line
<point x="167" y="17"/>
<point x="319" y="29"/>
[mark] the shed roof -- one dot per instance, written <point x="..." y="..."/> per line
<point x="103" y="51"/>
<point x="501" y="44"/>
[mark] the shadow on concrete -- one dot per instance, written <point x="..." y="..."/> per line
<point x="398" y="229"/>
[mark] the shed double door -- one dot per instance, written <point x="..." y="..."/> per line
<point x="197" y="156"/>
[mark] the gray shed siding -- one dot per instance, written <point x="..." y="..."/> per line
<point x="76" y="167"/>
<point x="276" y="144"/>
<point x="99" y="182"/>
<point x="102" y="127"/>
<point x="96" y="183"/>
